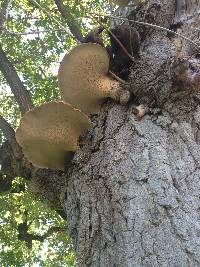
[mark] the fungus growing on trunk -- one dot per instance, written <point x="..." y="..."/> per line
<point x="48" y="134"/>
<point x="83" y="78"/>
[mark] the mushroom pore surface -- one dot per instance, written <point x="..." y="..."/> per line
<point x="49" y="133"/>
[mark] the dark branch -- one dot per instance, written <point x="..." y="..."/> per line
<point x="4" y="12"/>
<point x="7" y="129"/>
<point x="29" y="238"/>
<point x="9" y="134"/>
<point x="5" y="183"/>
<point x="52" y="230"/>
<point x="62" y="214"/>
<point x="8" y="163"/>
<point x="21" y="94"/>
<point x="12" y="162"/>
<point x="13" y="166"/>
<point x="70" y="20"/>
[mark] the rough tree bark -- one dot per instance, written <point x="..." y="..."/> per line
<point x="131" y="195"/>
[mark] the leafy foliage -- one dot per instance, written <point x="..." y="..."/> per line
<point x="14" y="252"/>
<point x="35" y="42"/>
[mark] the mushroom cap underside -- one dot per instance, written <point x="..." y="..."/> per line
<point x="49" y="133"/>
<point x="83" y="77"/>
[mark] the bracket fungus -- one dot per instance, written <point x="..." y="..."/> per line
<point x="48" y="134"/>
<point x="83" y="78"/>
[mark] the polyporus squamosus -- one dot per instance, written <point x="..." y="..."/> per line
<point x="83" y="78"/>
<point x="48" y="134"/>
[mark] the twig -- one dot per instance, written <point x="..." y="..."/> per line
<point x="112" y="34"/>
<point x="26" y="33"/>
<point x="150" y="25"/>
<point x="117" y="78"/>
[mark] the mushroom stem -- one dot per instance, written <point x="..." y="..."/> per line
<point x="84" y="81"/>
<point x="117" y="93"/>
<point x="117" y="78"/>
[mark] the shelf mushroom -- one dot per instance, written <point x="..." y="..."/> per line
<point x="48" y="134"/>
<point x="83" y="78"/>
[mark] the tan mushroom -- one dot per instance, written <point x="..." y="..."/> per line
<point x="83" y="78"/>
<point x="48" y="134"/>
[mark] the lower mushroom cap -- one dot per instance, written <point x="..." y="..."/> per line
<point x="83" y="79"/>
<point x="49" y="133"/>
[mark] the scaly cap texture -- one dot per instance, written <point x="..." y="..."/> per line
<point x="83" y="79"/>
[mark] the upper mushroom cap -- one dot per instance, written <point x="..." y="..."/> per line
<point x="49" y="133"/>
<point x="83" y="79"/>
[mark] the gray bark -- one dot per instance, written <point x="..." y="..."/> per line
<point x="132" y="195"/>
<point x="136" y="201"/>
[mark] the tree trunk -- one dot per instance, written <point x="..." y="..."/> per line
<point x="132" y="194"/>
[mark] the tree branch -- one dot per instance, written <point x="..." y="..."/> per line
<point x="70" y="20"/>
<point x="8" y="165"/>
<point x="21" y="94"/>
<point x="28" y="238"/>
<point x="5" y="183"/>
<point x="9" y="134"/>
<point x="11" y="158"/>
<point x="9" y="152"/>
<point x="52" y="230"/>
<point x="7" y="130"/>
<point x="4" y="12"/>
